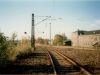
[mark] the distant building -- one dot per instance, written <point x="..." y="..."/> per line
<point x="82" y="38"/>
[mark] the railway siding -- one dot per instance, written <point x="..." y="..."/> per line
<point x="75" y="63"/>
<point x="64" y="67"/>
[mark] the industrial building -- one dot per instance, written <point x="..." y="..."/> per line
<point x="82" y="38"/>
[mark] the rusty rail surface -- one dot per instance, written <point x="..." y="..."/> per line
<point x="51" y="61"/>
<point x="48" y="53"/>
<point x="83" y="70"/>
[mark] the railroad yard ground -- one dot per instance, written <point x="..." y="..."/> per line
<point x="34" y="63"/>
<point x="84" y="56"/>
<point x="49" y="37"/>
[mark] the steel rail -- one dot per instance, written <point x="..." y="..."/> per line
<point x="83" y="70"/>
<point x="51" y="61"/>
<point x="48" y="53"/>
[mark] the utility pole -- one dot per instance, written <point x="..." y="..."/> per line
<point x="33" y="33"/>
<point x="50" y="33"/>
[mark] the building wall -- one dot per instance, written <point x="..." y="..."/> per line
<point x="74" y="39"/>
<point x="85" y="40"/>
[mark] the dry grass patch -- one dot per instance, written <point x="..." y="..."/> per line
<point x="86" y="57"/>
<point x="23" y="47"/>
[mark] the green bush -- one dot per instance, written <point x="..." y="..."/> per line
<point x="3" y="48"/>
<point x="22" y="48"/>
<point x="40" y="40"/>
<point x="6" y="46"/>
<point x="10" y="49"/>
<point x="59" y="39"/>
<point x="3" y="44"/>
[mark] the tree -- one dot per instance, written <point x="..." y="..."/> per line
<point x="13" y="41"/>
<point x="59" y="39"/>
<point x="39" y="40"/>
<point x="42" y="41"/>
<point x="64" y="37"/>
<point x="3" y="44"/>
<point x="46" y="41"/>
<point x="14" y="35"/>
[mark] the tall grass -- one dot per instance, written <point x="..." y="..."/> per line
<point x="23" y="47"/>
<point x="10" y="49"/>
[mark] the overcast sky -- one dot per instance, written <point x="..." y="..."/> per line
<point x="15" y="16"/>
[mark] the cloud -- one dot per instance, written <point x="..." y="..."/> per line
<point x="95" y="25"/>
<point x="97" y="22"/>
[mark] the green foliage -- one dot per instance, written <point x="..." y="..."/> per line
<point x="10" y="49"/>
<point x="59" y="39"/>
<point x="64" y="37"/>
<point x="12" y="44"/>
<point x="46" y="41"/>
<point x="22" y="48"/>
<point x="13" y="41"/>
<point x="3" y="44"/>
<point x="42" y="41"/>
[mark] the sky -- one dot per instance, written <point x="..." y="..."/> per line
<point x="67" y="16"/>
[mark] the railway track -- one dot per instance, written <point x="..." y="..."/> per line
<point x="65" y="66"/>
<point x="38" y="63"/>
<point x="42" y="57"/>
<point x="46" y="62"/>
<point x="53" y="62"/>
